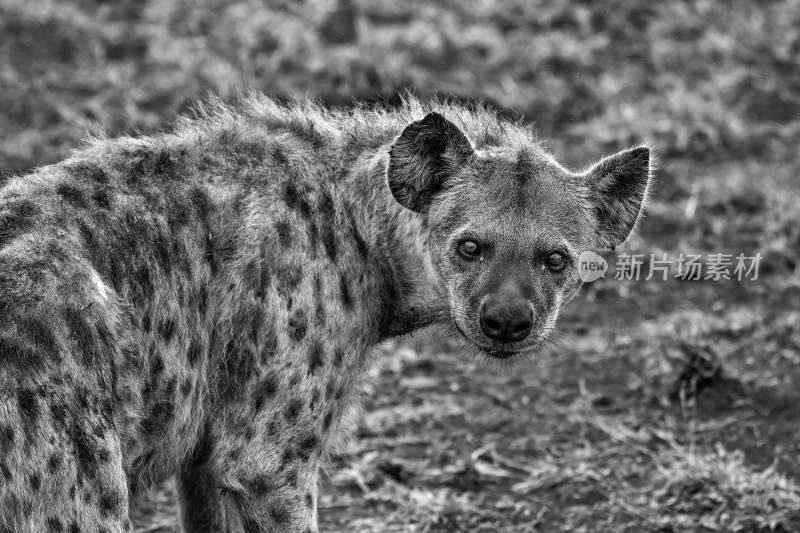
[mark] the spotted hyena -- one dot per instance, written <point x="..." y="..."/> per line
<point x="201" y="304"/>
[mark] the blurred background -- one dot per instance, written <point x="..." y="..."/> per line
<point x="665" y="406"/>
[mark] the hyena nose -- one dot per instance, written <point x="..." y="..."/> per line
<point x="506" y="320"/>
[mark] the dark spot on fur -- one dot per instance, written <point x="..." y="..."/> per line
<point x="259" y="274"/>
<point x="279" y="513"/>
<point x="389" y="296"/>
<point x="293" y="410"/>
<point x="319" y="302"/>
<point x="298" y="324"/>
<point x="81" y="333"/>
<point x="101" y="198"/>
<point x="181" y="257"/>
<point x="186" y="388"/>
<point x="327" y="421"/>
<point x="211" y="252"/>
<point x="316" y="357"/>
<point x="180" y="212"/>
<point x="54" y="524"/>
<point x="202" y="299"/>
<point x="138" y="167"/>
<point x="147" y="323"/>
<point x="291" y="477"/>
<point x="344" y="290"/>
<point x="309" y="500"/>
<point x="259" y="486"/>
<point x="162" y="411"/>
<point x="270" y="345"/>
<point x="327" y="214"/>
<point x="85" y="450"/>
<point x="36" y="482"/>
<point x="195" y="352"/>
<point x="307" y="445"/>
<point x="6" y="440"/>
<point x="289" y="277"/>
<point x="338" y="357"/>
<point x="71" y="194"/>
<point x="250" y="152"/>
<point x="279" y="156"/>
<point x="284" y="231"/>
<point x="74" y="528"/>
<point x="296" y="200"/>
<point x="242" y="426"/>
<point x="109" y="504"/>
<point x="29" y="410"/>
<point x="103" y="455"/>
<point x="14" y="354"/>
<point x="39" y="333"/>
<point x="81" y="170"/>
<point x="143" y="284"/>
<point x="329" y="242"/>
<point x="157" y="366"/>
<point x="163" y="252"/>
<point x="265" y="390"/>
<point x="116" y="272"/>
<point x="167" y="328"/>
<point x="58" y="412"/>
<point x="523" y="166"/>
<point x="16" y="217"/>
<point x="256" y="314"/>
<point x="314" y="398"/>
<point x="361" y="244"/>
<point x="330" y="387"/>
<point x="163" y="163"/>
<point x="54" y="463"/>
<point x="91" y="245"/>
<point x="287" y="457"/>
<point x="202" y="203"/>
<point x="313" y="238"/>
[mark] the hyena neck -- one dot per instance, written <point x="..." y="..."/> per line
<point x="412" y="298"/>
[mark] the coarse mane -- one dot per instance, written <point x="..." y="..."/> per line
<point x="365" y="124"/>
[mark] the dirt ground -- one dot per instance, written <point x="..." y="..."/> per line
<point x="664" y="406"/>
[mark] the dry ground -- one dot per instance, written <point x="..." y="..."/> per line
<point x="665" y="406"/>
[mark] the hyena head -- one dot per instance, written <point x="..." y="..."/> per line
<point x="506" y="226"/>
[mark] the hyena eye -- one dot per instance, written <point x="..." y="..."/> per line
<point x="469" y="249"/>
<point x="556" y="261"/>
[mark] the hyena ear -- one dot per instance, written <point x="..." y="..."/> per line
<point x="427" y="153"/>
<point x="618" y="190"/>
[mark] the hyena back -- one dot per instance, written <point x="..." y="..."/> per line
<point x="201" y="304"/>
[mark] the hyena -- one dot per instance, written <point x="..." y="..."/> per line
<point x="201" y="303"/>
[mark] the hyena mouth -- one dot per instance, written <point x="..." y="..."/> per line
<point x="504" y="352"/>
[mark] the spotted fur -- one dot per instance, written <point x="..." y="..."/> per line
<point x="201" y="304"/>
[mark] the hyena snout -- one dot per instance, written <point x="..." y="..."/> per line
<point x="506" y="318"/>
